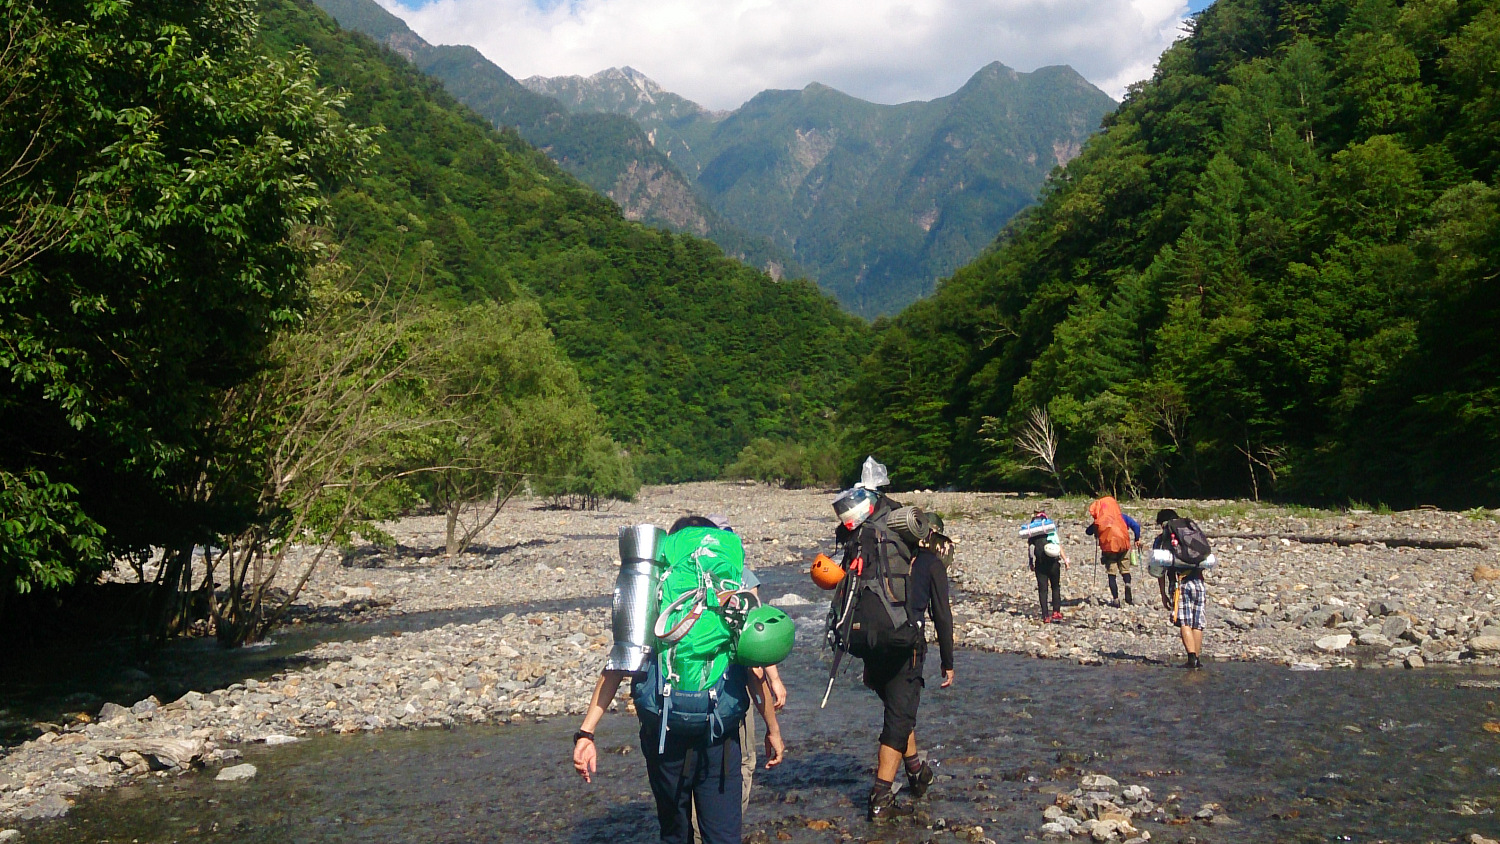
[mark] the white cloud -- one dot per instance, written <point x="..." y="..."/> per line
<point x="721" y="52"/>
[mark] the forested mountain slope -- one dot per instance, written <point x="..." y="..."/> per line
<point x="875" y="201"/>
<point x="687" y="353"/>
<point x="1276" y="269"/>
<point x="606" y="151"/>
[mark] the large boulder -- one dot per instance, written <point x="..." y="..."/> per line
<point x="159" y="753"/>
<point x="1487" y="645"/>
<point x="1336" y="642"/>
<point x="1395" y="626"/>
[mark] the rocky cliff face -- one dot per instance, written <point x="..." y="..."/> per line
<point x="876" y="202"/>
<point x="606" y="149"/>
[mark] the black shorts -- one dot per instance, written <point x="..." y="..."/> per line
<point x="896" y="676"/>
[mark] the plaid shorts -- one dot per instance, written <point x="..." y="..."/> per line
<point x="1188" y="603"/>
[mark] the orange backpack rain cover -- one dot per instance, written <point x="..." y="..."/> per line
<point x="1109" y="525"/>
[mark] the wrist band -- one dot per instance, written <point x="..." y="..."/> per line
<point x="582" y="734"/>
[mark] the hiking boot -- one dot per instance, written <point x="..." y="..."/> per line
<point x="883" y="805"/>
<point x="1057" y="616"/>
<point x="1129" y="597"/>
<point x="1046" y="619"/>
<point x="1115" y="603"/>
<point x="1193" y="663"/>
<point x="919" y="782"/>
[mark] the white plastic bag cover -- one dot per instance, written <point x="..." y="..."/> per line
<point x="873" y="475"/>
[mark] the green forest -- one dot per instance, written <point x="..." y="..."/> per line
<point x="1273" y="273"/>
<point x="263" y="283"/>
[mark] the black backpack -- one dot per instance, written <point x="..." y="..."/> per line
<point x="879" y="621"/>
<point x="1190" y="547"/>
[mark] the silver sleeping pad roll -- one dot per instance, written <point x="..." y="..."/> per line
<point x="634" y="609"/>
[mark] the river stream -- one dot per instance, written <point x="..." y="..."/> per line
<point x="1289" y="756"/>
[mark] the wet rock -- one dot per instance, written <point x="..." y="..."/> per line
<point x="46" y="808"/>
<point x="236" y="773"/>
<point x="277" y="739"/>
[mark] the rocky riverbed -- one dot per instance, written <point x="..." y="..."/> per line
<point x="1308" y="589"/>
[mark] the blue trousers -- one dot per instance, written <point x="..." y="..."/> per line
<point x="693" y="775"/>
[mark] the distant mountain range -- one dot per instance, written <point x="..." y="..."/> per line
<point x="608" y="152"/>
<point x="875" y="202"/>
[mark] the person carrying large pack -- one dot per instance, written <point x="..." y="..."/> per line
<point x="1046" y="558"/>
<point x="891" y="577"/>
<point x="1117" y="532"/>
<point x="1179" y="557"/>
<point x="707" y="632"/>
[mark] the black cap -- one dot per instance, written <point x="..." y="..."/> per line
<point x="1164" y="516"/>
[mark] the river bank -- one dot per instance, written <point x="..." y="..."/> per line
<point x="515" y="630"/>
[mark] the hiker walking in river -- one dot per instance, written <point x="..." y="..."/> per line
<point x="771" y="675"/>
<point x="1046" y="559"/>
<point x="892" y="577"/>
<point x="693" y="676"/>
<point x="1116" y="533"/>
<point x="1179" y="557"/>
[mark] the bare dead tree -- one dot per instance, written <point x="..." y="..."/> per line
<point x="1266" y="457"/>
<point x="31" y="222"/>
<point x="1037" y="442"/>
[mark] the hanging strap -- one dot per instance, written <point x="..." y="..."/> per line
<point x="679" y="630"/>
<point x="666" y="711"/>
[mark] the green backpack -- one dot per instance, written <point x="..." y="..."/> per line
<point x="692" y="684"/>
<point x="695" y="639"/>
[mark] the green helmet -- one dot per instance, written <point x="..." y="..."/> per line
<point x="766" y="638"/>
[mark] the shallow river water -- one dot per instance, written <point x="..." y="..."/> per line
<point x="1358" y="756"/>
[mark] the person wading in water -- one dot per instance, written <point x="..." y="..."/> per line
<point x="693" y="755"/>
<point x="893" y="562"/>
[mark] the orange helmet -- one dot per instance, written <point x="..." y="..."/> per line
<point x="825" y="572"/>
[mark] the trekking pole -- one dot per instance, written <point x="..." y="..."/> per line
<point x="1095" y="592"/>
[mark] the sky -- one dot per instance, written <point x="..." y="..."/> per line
<point x="720" y="53"/>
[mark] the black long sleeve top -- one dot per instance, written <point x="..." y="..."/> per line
<point x="928" y="590"/>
